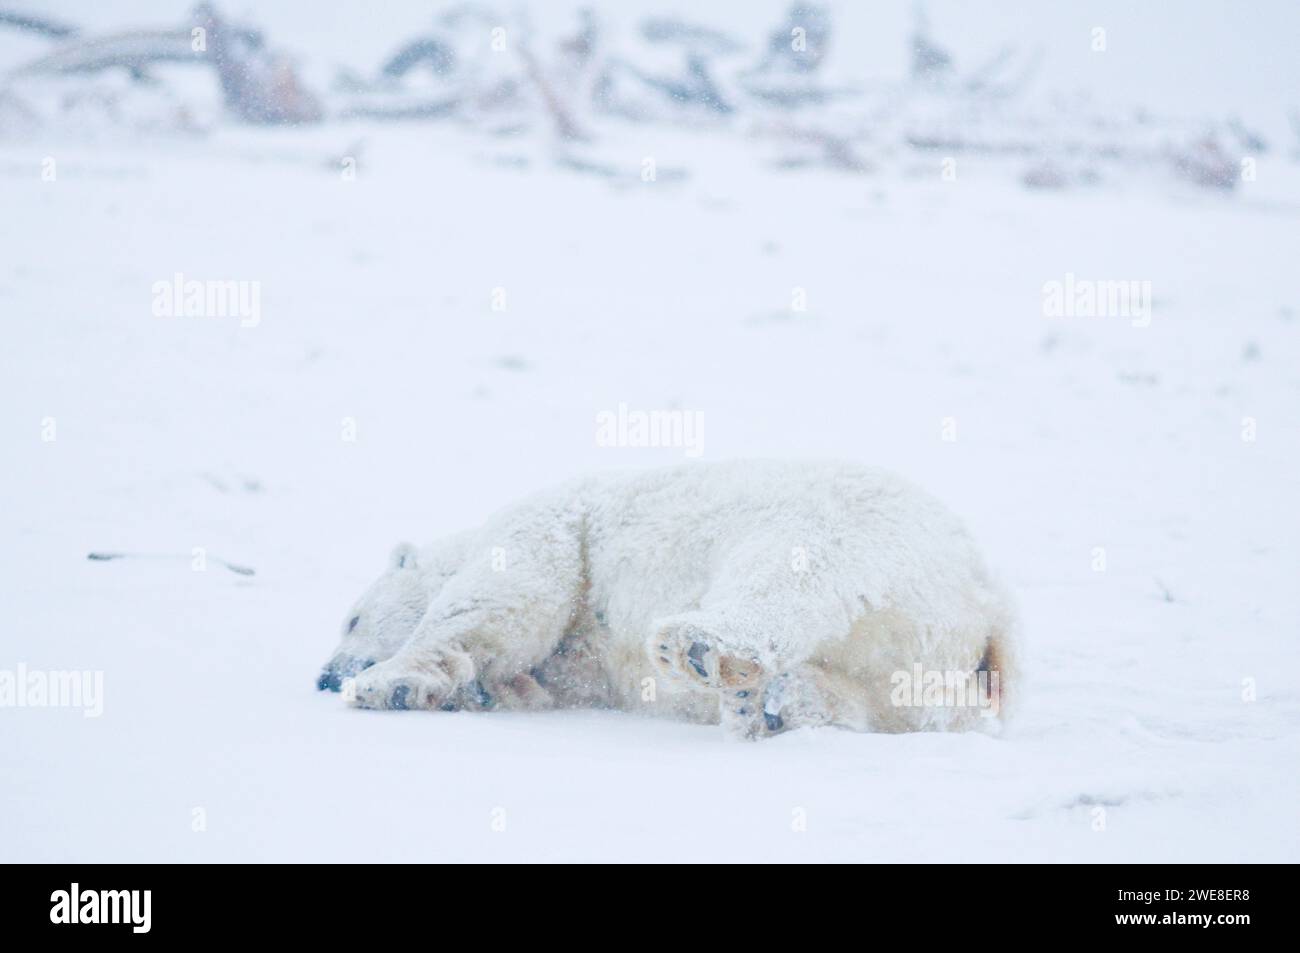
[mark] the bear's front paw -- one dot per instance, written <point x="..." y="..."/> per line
<point x="399" y="687"/>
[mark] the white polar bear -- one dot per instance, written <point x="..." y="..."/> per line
<point x="773" y="595"/>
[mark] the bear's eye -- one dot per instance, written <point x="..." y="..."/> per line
<point x="353" y="624"/>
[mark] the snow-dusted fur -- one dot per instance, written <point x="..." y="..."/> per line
<point x="770" y="595"/>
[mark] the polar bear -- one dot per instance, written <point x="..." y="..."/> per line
<point x="763" y="596"/>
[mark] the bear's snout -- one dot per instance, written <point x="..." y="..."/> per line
<point x="339" y="668"/>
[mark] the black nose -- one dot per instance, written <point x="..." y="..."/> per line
<point x="332" y="678"/>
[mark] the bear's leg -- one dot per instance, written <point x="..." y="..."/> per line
<point x="491" y="625"/>
<point x="760" y="619"/>
<point x="478" y="653"/>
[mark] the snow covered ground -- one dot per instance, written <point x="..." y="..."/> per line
<point x="1161" y="717"/>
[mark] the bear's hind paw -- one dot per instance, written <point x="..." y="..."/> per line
<point x="691" y="653"/>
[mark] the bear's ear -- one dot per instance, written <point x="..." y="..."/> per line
<point x="403" y="557"/>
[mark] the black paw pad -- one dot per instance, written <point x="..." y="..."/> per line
<point x="774" y="722"/>
<point x="696" y="657"/>
<point x="399" y="699"/>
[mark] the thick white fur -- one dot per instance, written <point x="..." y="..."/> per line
<point x="772" y="595"/>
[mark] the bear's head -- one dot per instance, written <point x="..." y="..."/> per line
<point x="381" y="620"/>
